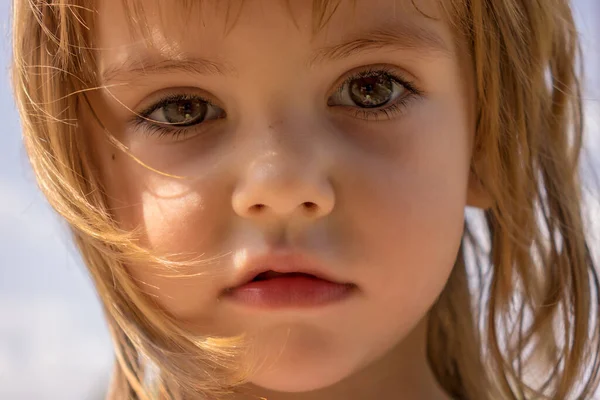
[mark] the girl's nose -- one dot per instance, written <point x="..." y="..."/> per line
<point x="284" y="182"/>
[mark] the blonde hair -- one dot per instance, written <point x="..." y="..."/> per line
<point x="536" y="301"/>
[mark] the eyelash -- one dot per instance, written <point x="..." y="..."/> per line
<point x="387" y="111"/>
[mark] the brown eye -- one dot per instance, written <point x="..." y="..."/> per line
<point x="184" y="111"/>
<point x="368" y="90"/>
<point x="371" y="91"/>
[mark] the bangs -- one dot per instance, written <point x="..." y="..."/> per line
<point x="186" y="12"/>
<point x="194" y="11"/>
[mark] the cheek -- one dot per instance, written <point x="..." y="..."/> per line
<point x="181" y="220"/>
<point x="411" y="213"/>
<point x="176" y="218"/>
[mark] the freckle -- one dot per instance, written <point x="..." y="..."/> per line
<point x="113" y="156"/>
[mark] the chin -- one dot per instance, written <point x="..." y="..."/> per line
<point x="302" y="376"/>
<point x="304" y="360"/>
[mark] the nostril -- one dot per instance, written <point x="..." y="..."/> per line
<point x="309" y="205"/>
<point x="257" y="207"/>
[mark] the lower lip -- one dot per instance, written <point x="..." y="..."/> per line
<point x="290" y="291"/>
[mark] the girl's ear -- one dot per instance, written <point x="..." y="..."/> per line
<point x="477" y="195"/>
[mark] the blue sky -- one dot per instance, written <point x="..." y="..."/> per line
<point x="53" y="341"/>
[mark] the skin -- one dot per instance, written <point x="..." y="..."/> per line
<point x="388" y="194"/>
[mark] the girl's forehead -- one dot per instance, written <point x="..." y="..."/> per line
<point x="330" y="28"/>
<point x="303" y="13"/>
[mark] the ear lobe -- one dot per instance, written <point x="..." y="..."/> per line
<point x="477" y="195"/>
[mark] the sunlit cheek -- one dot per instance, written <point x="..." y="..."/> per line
<point x="179" y="219"/>
<point x="176" y="217"/>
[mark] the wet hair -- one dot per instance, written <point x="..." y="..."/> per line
<point x="534" y="302"/>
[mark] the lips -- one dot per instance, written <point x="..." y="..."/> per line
<point x="263" y="276"/>
<point x="275" y="264"/>
<point x="287" y="281"/>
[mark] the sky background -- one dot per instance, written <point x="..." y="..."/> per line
<point x="53" y="340"/>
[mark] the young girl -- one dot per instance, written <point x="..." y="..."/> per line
<point x="270" y="195"/>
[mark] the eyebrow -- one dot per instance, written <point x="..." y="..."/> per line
<point x="392" y="36"/>
<point x="145" y="63"/>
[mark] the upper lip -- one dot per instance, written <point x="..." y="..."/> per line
<point x="283" y="262"/>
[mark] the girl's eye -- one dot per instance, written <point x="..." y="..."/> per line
<point x="184" y="110"/>
<point x="373" y="92"/>
<point x="177" y="116"/>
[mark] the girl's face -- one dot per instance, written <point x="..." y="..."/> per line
<point x="370" y="120"/>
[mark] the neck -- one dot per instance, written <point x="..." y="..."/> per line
<point x="403" y="373"/>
